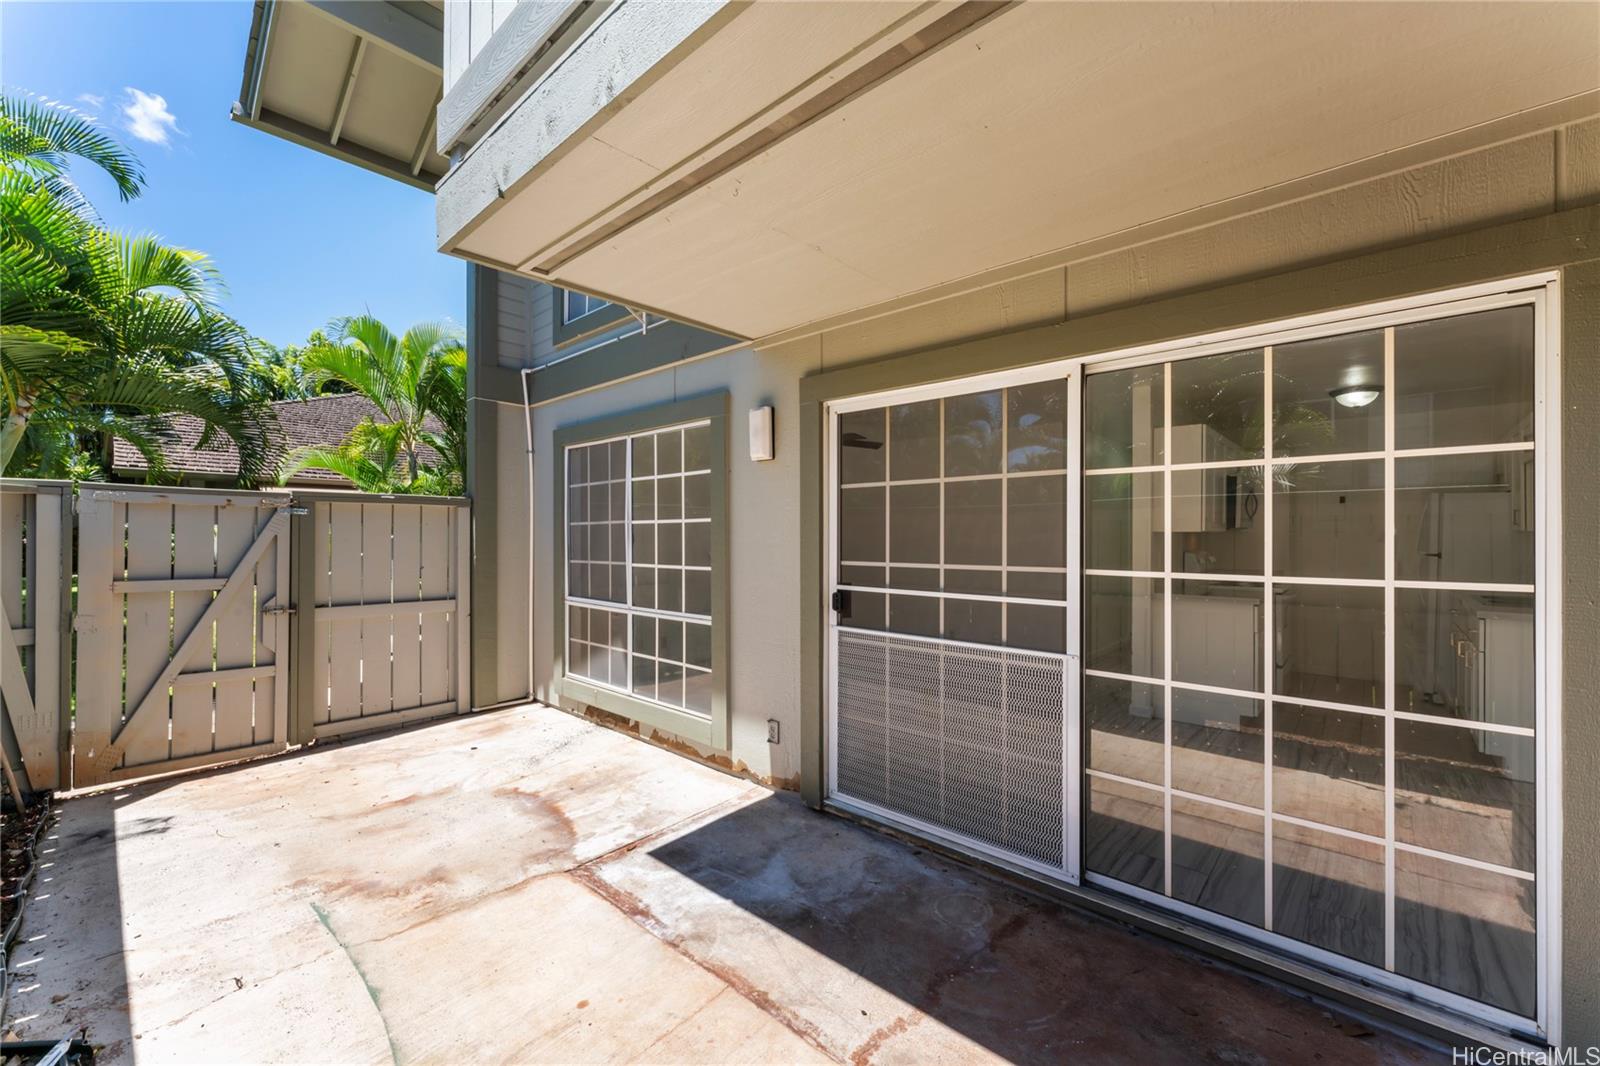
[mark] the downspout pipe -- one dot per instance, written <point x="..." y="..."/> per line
<point x="527" y="424"/>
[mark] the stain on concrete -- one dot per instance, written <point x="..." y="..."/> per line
<point x="863" y="1054"/>
<point x="540" y="806"/>
<point x="642" y="915"/>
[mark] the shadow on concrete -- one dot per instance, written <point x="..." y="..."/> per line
<point x="1029" y="979"/>
<point x="50" y="997"/>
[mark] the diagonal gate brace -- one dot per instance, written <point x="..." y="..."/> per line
<point x="107" y="757"/>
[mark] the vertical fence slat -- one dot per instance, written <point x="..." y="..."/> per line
<point x="461" y="619"/>
<point x="377" y="671"/>
<point x="194" y="555"/>
<point x="149" y="626"/>
<point x="275" y="694"/>
<point x="237" y="529"/>
<point x="436" y="633"/>
<point x="41" y="738"/>
<point x="407" y="566"/>
<point x="267" y="639"/>
<point x="344" y="635"/>
<point x="99" y="624"/>
<point x="13" y="517"/>
<point x="321" y="521"/>
<point x="17" y="657"/>
<point x="17" y="661"/>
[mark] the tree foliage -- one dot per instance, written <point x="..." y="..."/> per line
<point x="408" y="378"/>
<point x="107" y="334"/>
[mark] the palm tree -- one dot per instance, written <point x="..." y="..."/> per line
<point x="444" y="395"/>
<point x="407" y="378"/>
<point x="103" y="334"/>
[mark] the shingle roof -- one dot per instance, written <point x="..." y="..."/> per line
<point x="321" y="420"/>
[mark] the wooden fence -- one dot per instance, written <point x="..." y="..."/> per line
<point x="35" y="642"/>
<point x="219" y="625"/>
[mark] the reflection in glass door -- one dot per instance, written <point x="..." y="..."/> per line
<point x="1310" y="645"/>
<point x="951" y="617"/>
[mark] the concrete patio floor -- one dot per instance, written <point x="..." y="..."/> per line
<point x="525" y="886"/>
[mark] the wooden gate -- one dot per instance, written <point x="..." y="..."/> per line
<point x="386" y="632"/>
<point x="183" y="629"/>
<point x="35" y="597"/>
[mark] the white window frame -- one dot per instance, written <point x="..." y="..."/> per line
<point x="591" y="304"/>
<point x="1540" y="291"/>
<point x="626" y="607"/>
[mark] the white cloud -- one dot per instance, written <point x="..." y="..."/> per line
<point x="146" y="116"/>
<point x="92" y="101"/>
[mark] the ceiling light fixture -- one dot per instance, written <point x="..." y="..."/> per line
<point x="1356" y="395"/>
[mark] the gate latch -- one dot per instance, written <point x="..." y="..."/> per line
<point x="277" y="610"/>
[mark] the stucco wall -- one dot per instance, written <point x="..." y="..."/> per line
<point x="764" y="512"/>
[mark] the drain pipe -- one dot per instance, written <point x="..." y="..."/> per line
<point x="527" y="424"/>
<point x="526" y="375"/>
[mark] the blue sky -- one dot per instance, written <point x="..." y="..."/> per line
<point x="300" y="237"/>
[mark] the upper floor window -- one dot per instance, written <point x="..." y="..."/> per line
<point x="576" y="305"/>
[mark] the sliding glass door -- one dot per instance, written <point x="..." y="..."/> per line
<point x="1252" y="631"/>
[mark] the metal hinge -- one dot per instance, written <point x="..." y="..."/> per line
<point x="277" y="610"/>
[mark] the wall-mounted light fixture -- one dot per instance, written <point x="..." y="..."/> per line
<point x="761" y="442"/>
<point x="1356" y="395"/>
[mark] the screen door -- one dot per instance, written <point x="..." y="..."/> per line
<point x="951" y="617"/>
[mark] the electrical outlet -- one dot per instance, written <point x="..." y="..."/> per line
<point x="772" y="730"/>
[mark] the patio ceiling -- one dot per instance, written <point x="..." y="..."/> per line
<point x="356" y="80"/>
<point x="880" y="153"/>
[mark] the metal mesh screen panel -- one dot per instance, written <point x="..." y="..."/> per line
<point x="961" y="738"/>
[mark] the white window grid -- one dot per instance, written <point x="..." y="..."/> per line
<point x="625" y="606"/>
<point x="576" y="305"/>
<point x="1266" y="697"/>
<point x="1004" y="568"/>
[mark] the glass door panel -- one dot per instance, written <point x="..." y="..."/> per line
<point x="1310" y="644"/>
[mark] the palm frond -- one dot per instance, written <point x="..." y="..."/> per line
<point x="43" y="136"/>
<point x="354" y="467"/>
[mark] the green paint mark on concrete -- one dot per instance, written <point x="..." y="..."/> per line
<point x="372" y="992"/>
